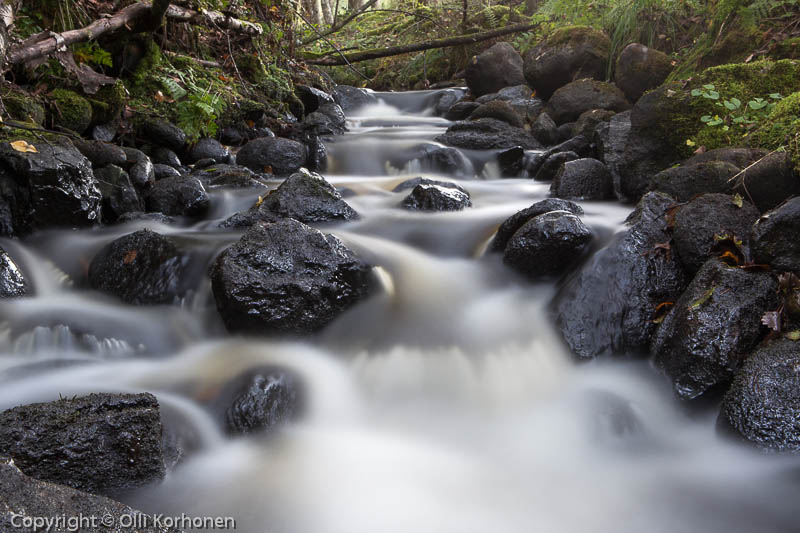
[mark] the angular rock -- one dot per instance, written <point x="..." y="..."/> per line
<point x="589" y="120"/>
<point x="578" y="144"/>
<point x="141" y="268"/>
<point x="712" y="327"/>
<point x="29" y="497"/>
<point x="608" y="306"/>
<point x="461" y="110"/>
<point x="12" y="282"/>
<point x="184" y="196"/>
<point x="487" y="133"/>
<point x="512" y="162"/>
<point x="53" y="187"/>
<point x="317" y="160"/>
<point x="351" y="98"/>
<point x="685" y="182"/>
<point x="701" y="219"/>
<point x="286" y="278"/>
<point x="273" y="154"/>
<point x="510" y="225"/>
<point x="610" y="139"/>
<point x="640" y="69"/>
<point x="762" y="406"/>
<point x="413" y="182"/>
<point x="545" y="130"/>
<point x="572" y="100"/>
<point x="436" y="198"/>
<point x="775" y="239"/>
<point x="585" y="178"/>
<point x="119" y="194"/>
<point x="101" y="443"/>
<point x="500" y="110"/>
<point x="207" y="148"/>
<point x="568" y="54"/>
<point x="140" y="168"/>
<point x="101" y="154"/>
<point x="493" y="69"/>
<point x="312" y="97"/>
<point x="547" y="245"/>
<point x="552" y="164"/>
<point x="161" y="133"/>
<point x="446" y="99"/>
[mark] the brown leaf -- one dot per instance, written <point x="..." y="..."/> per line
<point x="159" y="97"/>
<point x="772" y="319"/>
<point x="130" y="257"/>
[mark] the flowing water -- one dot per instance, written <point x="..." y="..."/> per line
<point x="446" y="403"/>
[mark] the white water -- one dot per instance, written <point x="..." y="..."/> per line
<point x="447" y="403"/>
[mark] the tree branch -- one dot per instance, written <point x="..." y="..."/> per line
<point x="212" y="18"/>
<point x="417" y="47"/>
<point x="340" y="25"/>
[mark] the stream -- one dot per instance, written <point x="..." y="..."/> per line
<point x="445" y="403"/>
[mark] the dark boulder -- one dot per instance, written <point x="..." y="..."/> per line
<point x="184" y="196"/>
<point x="101" y="154"/>
<point x="698" y="222"/>
<point x="12" y="282"/>
<point x="712" y="327"/>
<point x="232" y="176"/>
<point x="436" y="198"/>
<point x="572" y="100"/>
<point x="552" y="164"/>
<point x="413" y="182"/>
<point x="547" y="245"/>
<point x="510" y="225"/>
<point x="610" y="139"/>
<point x="140" y="268"/>
<point x="165" y="156"/>
<point x="640" y="69"/>
<point x="608" y="306"/>
<point x="329" y="119"/>
<point x="207" y="148"/>
<point x="762" y="406"/>
<point x="775" y="239"/>
<point x="443" y="160"/>
<point x="260" y="400"/>
<point x="287" y="278"/>
<point x="27" y="497"/>
<point x="545" y="129"/>
<point x="685" y="182"/>
<point x="578" y="144"/>
<point x="568" y="54"/>
<point x="461" y="110"/>
<point x="487" y="133"/>
<point x="101" y="443"/>
<point x="119" y="194"/>
<point x="512" y="162"/>
<point x="273" y="154"/>
<point x="589" y="120"/>
<point x="769" y="181"/>
<point x="317" y="160"/>
<point x="736" y="156"/>
<point x="351" y="98"/>
<point x="165" y="171"/>
<point x="161" y="133"/>
<point x="585" y="178"/>
<point x="493" y="69"/>
<point x="312" y="98"/>
<point x="49" y="188"/>
<point x="500" y="110"/>
<point x="446" y="99"/>
<point x="140" y="168"/>
<point x="565" y="131"/>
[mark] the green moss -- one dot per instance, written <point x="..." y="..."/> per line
<point x="733" y="48"/>
<point x="70" y="110"/>
<point x="781" y="129"/>
<point x="787" y="49"/>
<point x="574" y="35"/>
<point x="24" y="108"/>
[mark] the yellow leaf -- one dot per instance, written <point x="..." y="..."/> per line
<point x="738" y="201"/>
<point x="23" y="146"/>
<point x="690" y="142"/>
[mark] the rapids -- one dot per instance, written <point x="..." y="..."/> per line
<point x="446" y="403"/>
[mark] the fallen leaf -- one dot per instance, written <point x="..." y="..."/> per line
<point x="772" y="319"/>
<point x="729" y="256"/>
<point x="793" y="335"/>
<point x="130" y="257"/>
<point x="159" y="97"/>
<point x="703" y="298"/>
<point x="738" y="201"/>
<point x="24" y="147"/>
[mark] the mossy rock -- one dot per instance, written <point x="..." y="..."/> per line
<point x="70" y="110"/>
<point x="733" y="48"/>
<point x="640" y="68"/>
<point x="782" y="129"/>
<point x="24" y="108"/>
<point x="786" y="49"/>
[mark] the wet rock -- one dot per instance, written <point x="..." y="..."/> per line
<point x="640" y="69"/>
<point x="184" y="196"/>
<point x="762" y="406"/>
<point x="317" y="155"/>
<point x="565" y="132"/>
<point x="770" y="181"/>
<point x="511" y="162"/>
<point x="446" y="99"/>
<point x="204" y="164"/>
<point x="165" y="156"/>
<point x="568" y="54"/>
<point x="329" y="120"/>
<point x="545" y="130"/>
<point x="578" y="144"/>
<point x="413" y="182"/>
<point x="493" y="69"/>
<point x="161" y="133"/>
<point x="552" y="164"/>
<point x="589" y="120"/>
<point x="610" y="139"/>
<point x="312" y="98"/>
<point x="738" y="157"/>
<point x="701" y="219"/>
<point x="141" y="268"/>
<point x="500" y="110"/>
<point x="436" y="198"/>
<point x="207" y="148"/>
<point x="101" y="154"/>
<point x="685" y="182"/>
<point x="774" y="240"/>
<point x="273" y="154"/>
<point x="101" y="443"/>
<point x="351" y="98"/>
<point x="585" y="178"/>
<point x="140" y="168"/>
<point x="513" y="223"/>
<point x="607" y="307"/>
<point x="286" y="278"/>
<point x="712" y="327"/>
<point x="29" y="497"/>
<point x="70" y="111"/>
<point x="135" y="216"/>
<point x="232" y="176"/>
<point x="487" y="133"/>
<point x="444" y="160"/>
<point x="119" y="195"/>
<point x="165" y="171"/>
<point x="572" y="100"/>
<point x="461" y="110"/>
<point x="547" y="245"/>
<point x="12" y="282"/>
<point x="53" y="187"/>
<point x="261" y="400"/>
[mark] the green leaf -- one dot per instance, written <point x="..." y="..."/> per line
<point x="736" y="102"/>
<point x="703" y="298"/>
<point x="793" y="335"/>
<point x="775" y="96"/>
<point x="713" y="95"/>
<point x="697" y="92"/>
<point x="705" y="118"/>
<point x="709" y="87"/>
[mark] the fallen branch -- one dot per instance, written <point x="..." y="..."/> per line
<point x="212" y="19"/>
<point x="340" y="25"/>
<point x="417" y="47"/>
<point x="201" y="62"/>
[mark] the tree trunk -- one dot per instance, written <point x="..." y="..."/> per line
<point x="327" y="14"/>
<point x="7" y="8"/>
